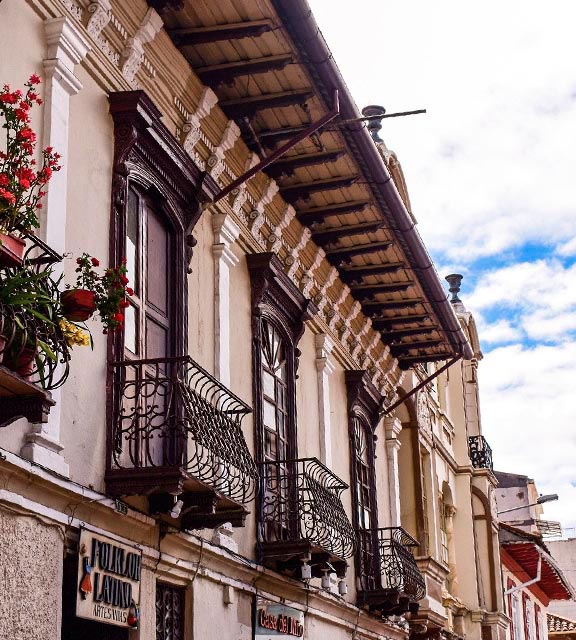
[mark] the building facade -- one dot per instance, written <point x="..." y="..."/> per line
<point x="253" y="452"/>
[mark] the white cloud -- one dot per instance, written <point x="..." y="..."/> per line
<point x="528" y="418"/>
<point x="489" y="169"/>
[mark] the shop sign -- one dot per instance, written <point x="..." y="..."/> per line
<point x="273" y="620"/>
<point x="108" y="580"/>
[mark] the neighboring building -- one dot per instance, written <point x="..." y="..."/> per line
<point x="236" y="462"/>
<point x="447" y="497"/>
<point x="564" y="552"/>
<point x="560" y="628"/>
<point x="518" y="494"/>
<point x="531" y="578"/>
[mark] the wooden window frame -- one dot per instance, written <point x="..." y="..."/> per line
<point x="364" y="402"/>
<point x="148" y="155"/>
<point x="278" y="301"/>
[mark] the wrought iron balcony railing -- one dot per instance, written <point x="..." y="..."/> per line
<point x="34" y="353"/>
<point x="548" y="528"/>
<point x="389" y="579"/>
<point x="480" y="452"/>
<point x="175" y="429"/>
<point x="302" y="515"/>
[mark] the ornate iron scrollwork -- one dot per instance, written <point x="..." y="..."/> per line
<point x="301" y="501"/>
<point x="480" y="452"/>
<point x="170" y="412"/>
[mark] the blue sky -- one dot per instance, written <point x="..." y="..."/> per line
<point x="492" y="180"/>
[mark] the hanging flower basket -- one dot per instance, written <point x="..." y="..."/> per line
<point x="77" y="304"/>
<point x="11" y="250"/>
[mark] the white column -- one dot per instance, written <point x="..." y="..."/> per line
<point x="324" y="367"/>
<point x="392" y="428"/>
<point x="226" y="232"/>
<point x="66" y="47"/>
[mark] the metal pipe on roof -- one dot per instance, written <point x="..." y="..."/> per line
<point x="303" y="29"/>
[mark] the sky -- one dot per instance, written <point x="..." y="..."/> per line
<point x="491" y="175"/>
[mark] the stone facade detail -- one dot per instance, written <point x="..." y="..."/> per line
<point x="133" y="54"/>
<point x="216" y="162"/>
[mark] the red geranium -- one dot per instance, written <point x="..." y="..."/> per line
<point x="22" y="186"/>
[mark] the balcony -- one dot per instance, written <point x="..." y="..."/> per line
<point x="480" y="452"/>
<point x="176" y="434"/>
<point x="389" y="579"/>
<point x="34" y="353"/>
<point x="302" y="519"/>
<point x="548" y="528"/>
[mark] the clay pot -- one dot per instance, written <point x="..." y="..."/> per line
<point x="11" y="250"/>
<point x="77" y="304"/>
<point x="21" y="362"/>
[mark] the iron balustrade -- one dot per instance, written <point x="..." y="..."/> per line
<point x="301" y="501"/>
<point x="391" y="570"/>
<point x="171" y="413"/>
<point x="480" y="452"/>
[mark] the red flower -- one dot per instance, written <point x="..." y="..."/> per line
<point x="4" y="180"/>
<point x="24" y="105"/>
<point x="124" y="304"/>
<point x="26" y="134"/>
<point x="8" y="98"/>
<point x="95" y="262"/>
<point x="45" y="175"/>
<point x="39" y="101"/>
<point x="24" y="183"/>
<point x="124" y="280"/>
<point x="32" y="95"/>
<point x="130" y="291"/>
<point x="8" y="196"/>
<point x="79" y="261"/>
<point x="34" y="79"/>
<point x="39" y="205"/>
<point x="21" y="115"/>
<point x="48" y="150"/>
<point x="119" y="317"/>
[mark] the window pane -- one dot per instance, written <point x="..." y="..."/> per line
<point x="157" y="262"/>
<point x="131" y="329"/>
<point x="269" y="415"/>
<point x="268" y="384"/>
<point x="132" y="243"/>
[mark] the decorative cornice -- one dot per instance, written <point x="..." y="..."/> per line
<point x="133" y="53"/>
<point x="363" y="397"/>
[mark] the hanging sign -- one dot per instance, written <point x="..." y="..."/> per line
<point x="273" y="621"/>
<point x="108" y="580"/>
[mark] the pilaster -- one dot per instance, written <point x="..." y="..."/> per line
<point x="226" y="232"/>
<point x="324" y="367"/>
<point x="392" y="428"/>
<point x="66" y="47"/>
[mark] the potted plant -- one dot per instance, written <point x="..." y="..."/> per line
<point x="92" y="292"/>
<point x="22" y="180"/>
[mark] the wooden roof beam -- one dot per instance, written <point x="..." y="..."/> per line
<point x="345" y="254"/>
<point x="379" y="305"/>
<point x="248" y="106"/>
<point x="408" y="361"/>
<point x="226" y="73"/>
<point x="188" y="36"/>
<point x="319" y="214"/>
<point x="356" y="273"/>
<point x="380" y="323"/>
<point x="287" y="165"/>
<point x="303" y="190"/>
<point x="327" y="236"/>
<point x="367" y="290"/>
<point x="398" y="334"/>
<point x="399" y="349"/>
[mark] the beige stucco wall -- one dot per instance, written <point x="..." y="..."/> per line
<point x="31" y="554"/>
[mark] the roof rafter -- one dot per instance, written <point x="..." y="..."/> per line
<point x="184" y="37"/>
<point x="249" y="105"/>
<point x="227" y="72"/>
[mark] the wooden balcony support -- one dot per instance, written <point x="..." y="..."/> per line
<point x="398" y="350"/>
<point x="384" y="305"/>
<point x="381" y="322"/>
<point x="288" y="165"/>
<point x="328" y="236"/>
<point x="302" y="190"/>
<point x="356" y="273"/>
<point x="368" y="290"/>
<point x="345" y="254"/>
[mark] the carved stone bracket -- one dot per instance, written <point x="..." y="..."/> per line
<point x="292" y="261"/>
<point x="336" y="308"/>
<point x="307" y="280"/>
<point x="133" y="53"/>
<point x="192" y="129"/>
<point x="216" y="162"/>
<point x="347" y="325"/>
<point x="275" y="239"/>
<point x="100" y="13"/>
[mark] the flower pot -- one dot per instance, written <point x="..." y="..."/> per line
<point x="11" y="250"/>
<point x="77" y="304"/>
<point x="21" y="362"/>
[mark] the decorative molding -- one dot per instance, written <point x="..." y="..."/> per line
<point x="307" y="281"/>
<point x="257" y="215"/>
<point x="347" y="323"/>
<point x="192" y="129"/>
<point x="292" y="261"/>
<point x="364" y="399"/>
<point x="229" y="138"/>
<point x="336" y="307"/>
<point x="423" y="415"/>
<point x="74" y="9"/>
<point x="359" y="336"/>
<point x="276" y="242"/>
<point x="133" y="53"/>
<point x="321" y="298"/>
<point x="100" y="13"/>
